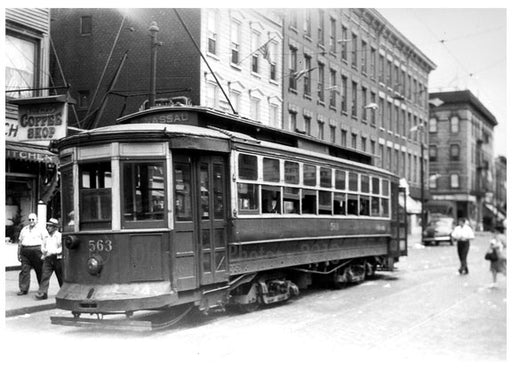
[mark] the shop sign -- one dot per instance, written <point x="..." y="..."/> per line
<point x="38" y="122"/>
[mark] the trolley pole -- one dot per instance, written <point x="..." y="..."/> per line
<point x="153" y="29"/>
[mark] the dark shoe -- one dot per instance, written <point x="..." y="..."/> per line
<point x="461" y="271"/>
<point x="41" y="296"/>
<point x="22" y="292"/>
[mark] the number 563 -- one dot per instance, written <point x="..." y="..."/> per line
<point x="100" y="245"/>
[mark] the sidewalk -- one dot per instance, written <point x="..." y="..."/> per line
<point x="20" y="305"/>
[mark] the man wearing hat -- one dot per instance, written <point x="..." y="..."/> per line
<point x="52" y="258"/>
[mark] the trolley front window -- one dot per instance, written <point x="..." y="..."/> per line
<point x="144" y="193"/>
<point x="68" y="214"/>
<point x="95" y="196"/>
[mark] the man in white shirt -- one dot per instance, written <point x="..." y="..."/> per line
<point x="31" y="238"/>
<point x="463" y="233"/>
<point x="52" y="256"/>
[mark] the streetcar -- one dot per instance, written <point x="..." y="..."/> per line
<point x="187" y="206"/>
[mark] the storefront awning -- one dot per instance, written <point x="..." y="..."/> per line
<point x="413" y="206"/>
<point x="29" y="152"/>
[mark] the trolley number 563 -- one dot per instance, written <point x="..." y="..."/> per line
<point x="100" y="245"/>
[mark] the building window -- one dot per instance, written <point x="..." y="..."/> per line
<point x="21" y="65"/>
<point x="363" y="144"/>
<point x="272" y="60"/>
<point x="373" y="63"/>
<point x="344" y="138"/>
<point x="321" y="27"/>
<point x="344" y="93"/>
<point x="307" y="22"/>
<point x="344" y="42"/>
<point x="373" y="98"/>
<point x="381" y="150"/>
<point x="307" y="75"/>
<point x="332" y="130"/>
<point x="292" y="121"/>
<point x="234" y="97"/>
<point x="381" y="68"/>
<point x="432" y="153"/>
<point x="364" y="57"/>
<point x="354" y="141"/>
<point x="321" y="82"/>
<point x="321" y="130"/>
<point x="293" y="19"/>
<point x="389" y="115"/>
<point x="454" y="181"/>
<point x="211" y="95"/>
<point x="274" y="115"/>
<point x="389" y="72"/>
<point x="354" y="51"/>
<point x="454" y="124"/>
<point x="432" y="127"/>
<point x="454" y="152"/>
<point x="354" y="99"/>
<point x="382" y="109"/>
<point x="332" y="36"/>
<point x="85" y="25"/>
<point x="432" y="182"/>
<point x="255" y="109"/>
<point x="307" y="125"/>
<point x="333" y="89"/>
<point x="235" y="42"/>
<point x="255" y="58"/>
<point x="212" y="32"/>
<point x="292" y="68"/>
<point x="364" y="102"/>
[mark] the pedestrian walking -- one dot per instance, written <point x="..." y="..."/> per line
<point x="497" y="255"/>
<point x="52" y="258"/>
<point x="31" y="238"/>
<point x="463" y="233"/>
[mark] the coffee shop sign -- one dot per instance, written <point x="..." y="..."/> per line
<point x="38" y="123"/>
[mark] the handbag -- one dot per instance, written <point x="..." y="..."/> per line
<point x="491" y="255"/>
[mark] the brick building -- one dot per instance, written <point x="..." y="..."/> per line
<point x="352" y="79"/>
<point x="241" y="46"/>
<point x="461" y="147"/>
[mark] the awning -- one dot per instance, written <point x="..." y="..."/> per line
<point x="495" y="211"/>
<point x="413" y="206"/>
<point x="29" y="152"/>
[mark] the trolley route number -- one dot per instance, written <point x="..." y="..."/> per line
<point x="100" y="245"/>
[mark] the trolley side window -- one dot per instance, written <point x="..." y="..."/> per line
<point x="68" y="219"/>
<point x="144" y="193"/>
<point x="95" y="196"/>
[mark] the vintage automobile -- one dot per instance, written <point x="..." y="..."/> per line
<point x="438" y="230"/>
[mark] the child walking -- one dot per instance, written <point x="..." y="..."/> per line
<point x="499" y="245"/>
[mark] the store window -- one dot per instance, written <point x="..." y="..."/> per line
<point x="19" y="202"/>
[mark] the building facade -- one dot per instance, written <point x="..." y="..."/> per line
<point x="352" y="79"/>
<point x="461" y="147"/>
<point x="241" y="46"/>
<point x="34" y="116"/>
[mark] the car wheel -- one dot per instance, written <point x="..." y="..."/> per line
<point x="436" y="243"/>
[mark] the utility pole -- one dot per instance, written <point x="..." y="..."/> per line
<point x="153" y="29"/>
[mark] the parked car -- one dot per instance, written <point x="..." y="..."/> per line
<point x="439" y="230"/>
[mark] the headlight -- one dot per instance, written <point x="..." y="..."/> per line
<point x="71" y="242"/>
<point x="94" y="265"/>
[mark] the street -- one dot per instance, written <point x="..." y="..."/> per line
<point x="424" y="312"/>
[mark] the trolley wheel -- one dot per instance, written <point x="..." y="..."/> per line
<point x="250" y="307"/>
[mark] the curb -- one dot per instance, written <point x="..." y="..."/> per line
<point x="27" y="310"/>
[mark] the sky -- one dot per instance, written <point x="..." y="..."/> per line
<point x="468" y="45"/>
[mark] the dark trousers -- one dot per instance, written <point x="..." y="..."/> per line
<point x="30" y="259"/>
<point x="50" y="264"/>
<point x="462" y="250"/>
